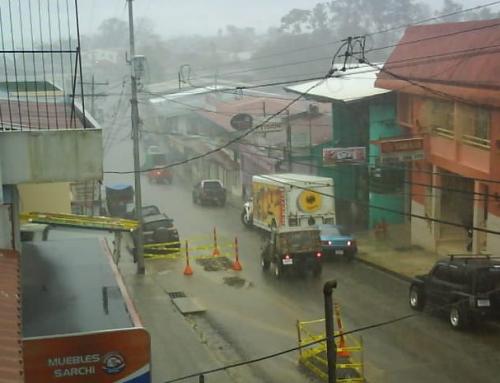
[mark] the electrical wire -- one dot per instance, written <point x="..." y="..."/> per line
<point x="372" y="326"/>
<point x="228" y="143"/>
<point x="429" y="219"/>
<point x="391" y="29"/>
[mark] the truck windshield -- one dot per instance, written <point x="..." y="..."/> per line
<point x="212" y="185"/>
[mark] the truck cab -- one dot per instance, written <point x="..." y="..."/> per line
<point x="292" y="248"/>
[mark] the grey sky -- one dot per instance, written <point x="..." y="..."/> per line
<point x="184" y="17"/>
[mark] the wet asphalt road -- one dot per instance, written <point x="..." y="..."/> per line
<point x="259" y="317"/>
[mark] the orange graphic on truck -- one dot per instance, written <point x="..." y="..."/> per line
<point x="268" y="203"/>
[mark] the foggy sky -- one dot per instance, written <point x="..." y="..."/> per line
<point x="186" y="17"/>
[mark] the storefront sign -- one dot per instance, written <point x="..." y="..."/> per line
<point x="332" y="156"/>
<point x="401" y="145"/>
<point x="401" y="150"/>
<point x="105" y="356"/>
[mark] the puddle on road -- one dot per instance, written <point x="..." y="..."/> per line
<point x="215" y="263"/>
<point x="237" y="282"/>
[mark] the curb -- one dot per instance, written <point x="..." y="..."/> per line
<point x="384" y="269"/>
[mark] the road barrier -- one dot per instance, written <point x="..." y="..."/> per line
<point x="81" y="221"/>
<point x="350" y="365"/>
<point x="200" y="247"/>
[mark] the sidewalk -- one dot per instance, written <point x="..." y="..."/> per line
<point x="394" y="253"/>
<point x="176" y="348"/>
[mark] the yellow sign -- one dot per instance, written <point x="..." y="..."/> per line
<point x="309" y="201"/>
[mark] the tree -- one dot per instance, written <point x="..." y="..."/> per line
<point x="295" y="20"/>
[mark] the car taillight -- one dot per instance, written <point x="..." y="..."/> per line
<point x="287" y="256"/>
<point x="318" y="254"/>
<point x="158" y="172"/>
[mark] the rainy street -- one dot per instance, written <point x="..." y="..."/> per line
<point x="249" y="314"/>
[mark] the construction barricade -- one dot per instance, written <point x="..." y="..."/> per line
<point x="81" y="221"/>
<point x="349" y="366"/>
<point x="199" y="247"/>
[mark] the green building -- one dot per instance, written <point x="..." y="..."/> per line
<point x="366" y="193"/>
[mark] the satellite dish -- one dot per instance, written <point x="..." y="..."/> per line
<point x="242" y="121"/>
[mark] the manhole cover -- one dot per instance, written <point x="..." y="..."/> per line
<point x="234" y="281"/>
<point x="176" y="294"/>
<point x="215" y="263"/>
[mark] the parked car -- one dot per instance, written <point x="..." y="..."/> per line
<point x="292" y="248"/>
<point x="467" y="288"/>
<point x="150" y="210"/>
<point x="159" y="228"/>
<point x="209" y="191"/>
<point x="336" y="241"/>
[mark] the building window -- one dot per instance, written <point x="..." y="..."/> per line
<point x="437" y="117"/>
<point x="474" y="125"/>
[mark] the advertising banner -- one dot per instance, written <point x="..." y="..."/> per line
<point x="115" y="356"/>
<point x="332" y="156"/>
<point x="402" y="150"/>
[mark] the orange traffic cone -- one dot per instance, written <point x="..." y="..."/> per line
<point x="187" y="270"/>
<point x="236" y="263"/>
<point x="216" y="251"/>
<point x="341" y="351"/>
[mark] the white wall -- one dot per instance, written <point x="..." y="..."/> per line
<point x="493" y="240"/>
<point x="51" y="156"/>
<point x="421" y="230"/>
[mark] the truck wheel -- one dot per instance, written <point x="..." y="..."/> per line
<point x="277" y="270"/>
<point x="416" y="298"/>
<point x="459" y="317"/>
<point x="264" y="264"/>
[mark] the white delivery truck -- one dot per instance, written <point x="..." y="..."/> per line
<point x="289" y="200"/>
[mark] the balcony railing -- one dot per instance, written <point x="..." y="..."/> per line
<point x="476" y="141"/>
<point x="41" y="68"/>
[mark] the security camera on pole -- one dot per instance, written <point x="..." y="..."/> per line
<point x="136" y="66"/>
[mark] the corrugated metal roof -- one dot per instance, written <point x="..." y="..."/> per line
<point x="352" y="85"/>
<point x="11" y="357"/>
<point x="461" y="55"/>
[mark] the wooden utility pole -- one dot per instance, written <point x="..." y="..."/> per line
<point x="139" y="245"/>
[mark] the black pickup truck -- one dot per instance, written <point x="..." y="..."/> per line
<point x="209" y="191"/>
<point x="289" y="249"/>
<point x="467" y="288"/>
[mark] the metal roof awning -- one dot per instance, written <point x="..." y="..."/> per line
<point x="72" y="286"/>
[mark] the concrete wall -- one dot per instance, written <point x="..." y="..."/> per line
<point x="47" y="198"/>
<point x="493" y="240"/>
<point x="51" y="156"/>
<point x="421" y="230"/>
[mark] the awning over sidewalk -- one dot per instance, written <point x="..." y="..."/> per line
<point x="11" y="353"/>
<point x="70" y="286"/>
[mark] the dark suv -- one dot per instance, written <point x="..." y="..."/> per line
<point x="159" y="228"/>
<point x="466" y="287"/>
<point x="209" y="191"/>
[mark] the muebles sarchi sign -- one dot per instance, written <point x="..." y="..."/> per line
<point x="105" y="356"/>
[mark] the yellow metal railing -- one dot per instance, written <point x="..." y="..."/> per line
<point x="82" y="221"/>
<point x="350" y="364"/>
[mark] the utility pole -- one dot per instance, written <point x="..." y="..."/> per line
<point x="92" y="100"/>
<point x="288" y="140"/>
<point x="135" y="137"/>
<point x="331" y="347"/>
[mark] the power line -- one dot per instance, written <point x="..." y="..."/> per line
<point x="344" y="333"/>
<point x="391" y="29"/>
<point x="236" y="139"/>
<point x="386" y="209"/>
